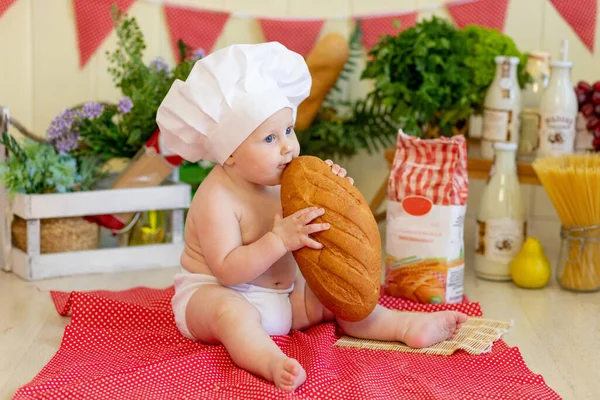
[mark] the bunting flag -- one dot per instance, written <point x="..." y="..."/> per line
<point x="297" y="35"/>
<point x="4" y="5"/>
<point x="199" y="29"/>
<point x="486" y="13"/>
<point x="581" y="17"/>
<point x="373" y="27"/>
<point x="94" y="23"/>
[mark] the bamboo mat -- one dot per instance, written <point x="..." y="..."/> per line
<point x="476" y="336"/>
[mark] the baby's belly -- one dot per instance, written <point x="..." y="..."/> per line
<point x="281" y="275"/>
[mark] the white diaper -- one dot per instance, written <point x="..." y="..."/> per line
<point x="273" y="305"/>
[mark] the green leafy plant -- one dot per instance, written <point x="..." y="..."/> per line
<point x="119" y="130"/>
<point x="484" y="45"/>
<point x="37" y="168"/>
<point x="421" y="78"/>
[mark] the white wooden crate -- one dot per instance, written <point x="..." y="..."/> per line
<point x="32" y="265"/>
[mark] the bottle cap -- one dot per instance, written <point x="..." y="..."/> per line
<point x="539" y="55"/>
<point x="506" y="146"/>
<point x="501" y="59"/>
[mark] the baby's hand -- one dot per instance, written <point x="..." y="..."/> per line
<point x="293" y="230"/>
<point x="339" y="171"/>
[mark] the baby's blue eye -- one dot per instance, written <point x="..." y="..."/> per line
<point x="288" y="130"/>
<point x="269" y="138"/>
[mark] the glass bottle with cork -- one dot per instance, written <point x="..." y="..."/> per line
<point x="558" y="109"/>
<point x="501" y="218"/>
<point x="502" y="107"/>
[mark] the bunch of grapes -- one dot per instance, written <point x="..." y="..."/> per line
<point x="588" y="97"/>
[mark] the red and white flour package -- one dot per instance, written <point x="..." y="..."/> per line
<point x="426" y="206"/>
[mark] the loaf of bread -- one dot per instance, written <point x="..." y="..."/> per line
<point x="345" y="274"/>
<point x="325" y="64"/>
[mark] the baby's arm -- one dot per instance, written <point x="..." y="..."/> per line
<point x="234" y="263"/>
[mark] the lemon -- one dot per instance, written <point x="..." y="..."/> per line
<point x="530" y="268"/>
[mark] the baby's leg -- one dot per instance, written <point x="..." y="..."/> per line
<point x="236" y="323"/>
<point x="416" y="330"/>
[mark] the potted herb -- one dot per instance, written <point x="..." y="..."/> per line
<point x="38" y="168"/>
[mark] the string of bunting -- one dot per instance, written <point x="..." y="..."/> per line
<point x="201" y="27"/>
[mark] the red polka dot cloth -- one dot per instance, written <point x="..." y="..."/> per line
<point x="124" y="345"/>
<point x="581" y="16"/>
<point x="488" y="13"/>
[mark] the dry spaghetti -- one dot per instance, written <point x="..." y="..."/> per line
<point x="573" y="185"/>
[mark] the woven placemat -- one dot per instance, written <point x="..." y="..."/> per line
<point x="476" y="336"/>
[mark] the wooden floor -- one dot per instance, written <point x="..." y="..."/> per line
<point x="557" y="332"/>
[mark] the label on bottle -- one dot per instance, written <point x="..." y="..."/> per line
<point x="557" y="134"/>
<point x="500" y="240"/>
<point x="496" y="124"/>
<point x="530" y="131"/>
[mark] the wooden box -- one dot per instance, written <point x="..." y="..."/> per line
<point x="32" y="265"/>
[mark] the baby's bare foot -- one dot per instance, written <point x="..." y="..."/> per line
<point x="427" y="329"/>
<point x="287" y="373"/>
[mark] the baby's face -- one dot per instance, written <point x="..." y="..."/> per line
<point x="263" y="156"/>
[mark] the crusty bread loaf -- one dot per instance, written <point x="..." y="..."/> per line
<point x="325" y="64"/>
<point x="345" y="274"/>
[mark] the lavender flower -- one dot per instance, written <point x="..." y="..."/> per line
<point x="92" y="110"/>
<point x="198" y="54"/>
<point x="62" y="124"/>
<point x="67" y="142"/>
<point x="159" y="64"/>
<point x="125" y="105"/>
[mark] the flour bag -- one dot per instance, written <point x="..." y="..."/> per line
<point x="427" y="195"/>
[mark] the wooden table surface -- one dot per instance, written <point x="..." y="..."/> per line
<point x="557" y="332"/>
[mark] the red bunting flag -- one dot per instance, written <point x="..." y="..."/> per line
<point x="297" y="35"/>
<point x="199" y="29"/>
<point x="94" y="23"/>
<point x="4" y="4"/>
<point x="486" y="13"/>
<point x="581" y="17"/>
<point x="373" y="27"/>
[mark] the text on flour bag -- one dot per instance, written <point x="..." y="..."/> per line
<point x="427" y="195"/>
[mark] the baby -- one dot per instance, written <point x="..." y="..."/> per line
<point x="239" y="281"/>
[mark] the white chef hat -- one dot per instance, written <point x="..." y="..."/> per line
<point x="227" y="95"/>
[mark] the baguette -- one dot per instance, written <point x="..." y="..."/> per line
<point x="325" y="63"/>
<point x="345" y="274"/>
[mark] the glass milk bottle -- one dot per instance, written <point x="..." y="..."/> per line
<point x="531" y="96"/>
<point x="558" y="110"/>
<point x="502" y="107"/>
<point x="501" y="220"/>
